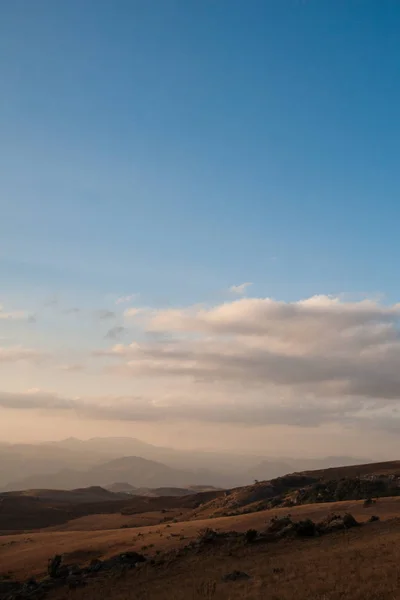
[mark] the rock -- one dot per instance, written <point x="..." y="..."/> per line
<point x="54" y="565"/>
<point x="374" y="518"/>
<point x="74" y="570"/>
<point x="235" y="576"/>
<point x="349" y="521"/>
<point x="95" y="565"/>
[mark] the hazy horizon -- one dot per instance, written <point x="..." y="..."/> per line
<point x="199" y="225"/>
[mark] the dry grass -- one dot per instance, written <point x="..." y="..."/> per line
<point x="361" y="564"/>
<point x="26" y="554"/>
<point x="116" y="520"/>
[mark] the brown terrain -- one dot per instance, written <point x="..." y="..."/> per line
<point x="83" y="525"/>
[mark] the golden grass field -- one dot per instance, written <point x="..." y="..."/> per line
<point x="360" y="564"/>
<point x="101" y="536"/>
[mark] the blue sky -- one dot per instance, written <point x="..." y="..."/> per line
<point x="176" y="148"/>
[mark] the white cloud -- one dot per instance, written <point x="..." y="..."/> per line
<point x="126" y="299"/>
<point x="240" y="290"/>
<point x="252" y="361"/>
<point x="340" y="358"/>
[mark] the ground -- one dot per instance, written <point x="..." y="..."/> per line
<point x="25" y="554"/>
<point x="360" y="564"/>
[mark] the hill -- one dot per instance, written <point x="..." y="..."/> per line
<point x="39" y="508"/>
<point x="81" y="495"/>
<point x="359" y="565"/>
<point x="302" y="568"/>
<point x="325" y="485"/>
<point x="161" y="491"/>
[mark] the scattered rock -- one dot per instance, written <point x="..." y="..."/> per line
<point x="279" y="523"/>
<point x="53" y="566"/>
<point x="305" y="528"/>
<point x="235" y="576"/>
<point x="349" y="521"/>
<point x="95" y="565"/>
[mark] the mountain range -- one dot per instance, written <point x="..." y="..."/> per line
<point x="74" y="463"/>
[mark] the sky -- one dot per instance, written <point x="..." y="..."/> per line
<point x="199" y="223"/>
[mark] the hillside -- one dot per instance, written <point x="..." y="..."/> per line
<point x="184" y="569"/>
<point x="360" y="565"/>
<point x="38" y="508"/>
<point x="126" y="488"/>
<point x="328" y="485"/>
<point x="80" y="495"/>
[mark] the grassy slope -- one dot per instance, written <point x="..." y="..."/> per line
<point x="26" y="554"/>
<point x="361" y="564"/>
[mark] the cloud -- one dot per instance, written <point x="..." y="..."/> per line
<point x="240" y="290"/>
<point x="253" y="361"/>
<point x="115" y="332"/>
<point x="14" y="314"/>
<point x="308" y="413"/>
<point x="126" y="299"/>
<point x="105" y="314"/>
<point x="320" y="354"/>
<point x="19" y="353"/>
<point x="35" y="399"/>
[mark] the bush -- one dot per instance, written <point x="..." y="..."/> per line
<point x="250" y="535"/>
<point x="207" y="535"/>
<point x="279" y="523"/>
<point x="306" y="528"/>
<point x="349" y="521"/>
<point x="368" y="502"/>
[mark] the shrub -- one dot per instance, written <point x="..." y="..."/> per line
<point x="207" y="535"/>
<point x="250" y="535"/>
<point x="279" y="523"/>
<point x="368" y="502"/>
<point x="305" y="528"/>
<point x="374" y="518"/>
<point x="349" y="521"/>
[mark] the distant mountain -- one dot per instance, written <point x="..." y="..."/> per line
<point x="64" y="459"/>
<point x="27" y="459"/>
<point x="134" y="470"/>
